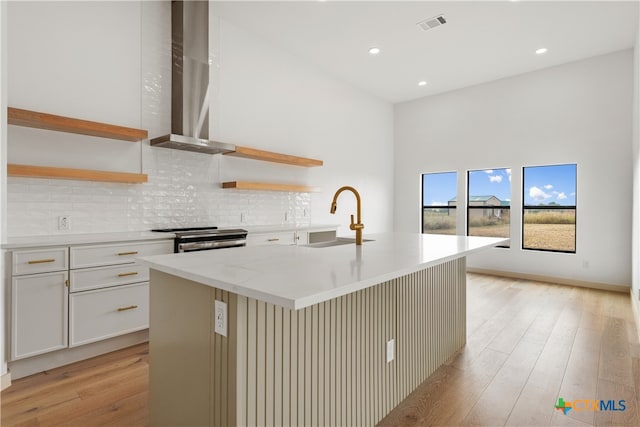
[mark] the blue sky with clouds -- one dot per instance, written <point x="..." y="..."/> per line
<point x="439" y="188"/>
<point x="550" y="184"/>
<point x="491" y="182"/>
<point x="542" y="185"/>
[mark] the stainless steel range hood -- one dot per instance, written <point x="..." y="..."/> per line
<point x="190" y="81"/>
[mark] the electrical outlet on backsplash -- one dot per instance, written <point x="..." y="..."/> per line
<point x="34" y="205"/>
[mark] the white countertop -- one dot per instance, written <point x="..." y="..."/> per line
<point x="295" y="277"/>
<point x="97" y="238"/>
<point x="257" y="229"/>
<point x="83" y="239"/>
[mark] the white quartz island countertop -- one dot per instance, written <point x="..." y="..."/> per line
<point x="295" y="277"/>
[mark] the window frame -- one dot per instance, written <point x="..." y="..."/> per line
<point x="558" y="207"/>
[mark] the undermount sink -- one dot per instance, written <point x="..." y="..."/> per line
<point x="338" y="242"/>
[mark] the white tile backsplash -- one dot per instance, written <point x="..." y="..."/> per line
<point x="175" y="196"/>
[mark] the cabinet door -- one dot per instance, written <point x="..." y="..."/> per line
<point x="38" y="314"/>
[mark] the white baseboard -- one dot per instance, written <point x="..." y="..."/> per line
<point x="550" y="279"/>
<point x="33" y="365"/>
<point x="636" y="311"/>
<point x="5" y="381"/>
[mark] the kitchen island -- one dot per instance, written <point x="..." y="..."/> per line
<point x="325" y="335"/>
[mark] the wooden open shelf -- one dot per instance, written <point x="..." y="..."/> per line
<point x="29" y="171"/>
<point x="247" y="185"/>
<point x="34" y="119"/>
<point x="268" y="156"/>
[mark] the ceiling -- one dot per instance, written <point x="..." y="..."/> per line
<point x="481" y="41"/>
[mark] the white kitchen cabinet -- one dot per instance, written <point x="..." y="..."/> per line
<point x="104" y="313"/>
<point x="114" y="254"/>
<point x="40" y="260"/>
<point x="39" y="313"/>
<point x="86" y="279"/>
<point x="275" y="238"/>
<point x="302" y="236"/>
<point x="109" y="290"/>
<point x="66" y="296"/>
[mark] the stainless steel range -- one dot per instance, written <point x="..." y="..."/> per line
<point x="205" y="238"/>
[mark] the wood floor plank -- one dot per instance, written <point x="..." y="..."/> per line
<point x="615" y="361"/>
<point x="608" y="390"/>
<point x="581" y="376"/>
<point x="534" y="406"/>
<point x="498" y="399"/>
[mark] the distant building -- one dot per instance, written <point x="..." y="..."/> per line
<point x="493" y="207"/>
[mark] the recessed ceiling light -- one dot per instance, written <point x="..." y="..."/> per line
<point x="422" y="83"/>
<point x="541" y="51"/>
<point x="374" y="50"/>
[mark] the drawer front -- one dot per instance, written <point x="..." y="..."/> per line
<point x="105" y="313"/>
<point x="40" y="260"/>
<point x="122" y="253"/>
<point x="286" y="238"/>
<point x="101" y="277"/>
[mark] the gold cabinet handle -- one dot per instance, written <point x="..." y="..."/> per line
<point x="128" y="253"/>
<point x="133" y="273"/>
<point x="66" y="283"/>
<point x="41" y="261"/>
<point x="275" y="239"/>
<point x="131" y="307"/>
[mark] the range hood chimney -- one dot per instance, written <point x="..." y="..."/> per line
<point x="190" y="81"/>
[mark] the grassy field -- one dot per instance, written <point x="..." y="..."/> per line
<point x="557" y="237"/>
<point x="550" y="230"/>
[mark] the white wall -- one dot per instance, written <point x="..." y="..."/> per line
<point x="271" y="100"/>
<point x="3" y="192"/>
<point x="267" y="99"/>
<point x="574" y="113"/>
<point x="635" y="284"/>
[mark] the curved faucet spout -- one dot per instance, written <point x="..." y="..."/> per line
<point x="357" y="226"/>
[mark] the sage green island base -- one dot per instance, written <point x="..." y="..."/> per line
<point x="325" y="364"/>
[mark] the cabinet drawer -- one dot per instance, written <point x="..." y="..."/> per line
<point x="101" y="277"/>
<point x="40" y="260"/>
<point x="105" y="313"/>
<point x="122" y="253"/>
<point x="286" y="238"/>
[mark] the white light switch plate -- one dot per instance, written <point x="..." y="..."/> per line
<point x="220" y="318"/>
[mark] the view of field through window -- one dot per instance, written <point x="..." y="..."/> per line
<point x="489" y="203"/>
<point x="549" y="208"/>
<point x="438" y="202"/>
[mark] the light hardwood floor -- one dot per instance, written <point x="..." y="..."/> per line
<point x="528" y="343"/>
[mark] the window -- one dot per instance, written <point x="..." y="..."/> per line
<point x="549" y="208"/>
<point x="439" y="202"/>
<point x="489" y="202"/>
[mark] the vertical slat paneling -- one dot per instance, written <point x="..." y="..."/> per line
<point x="301" y="363"/>
<point x="326" y="364"/>
<point x="261" y="362"/>
<point x="293" y="368"/>
<point x="327" y="381"/>
<point x="270" y="354"/>
<point x="278" y="392"/>
<point x="252" y="373"/>
<point x="286" y="365"/>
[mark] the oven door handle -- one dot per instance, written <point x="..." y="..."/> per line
<point x="199" y="246"/>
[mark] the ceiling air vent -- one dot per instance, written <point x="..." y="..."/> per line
<point x="434" y="22"/>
